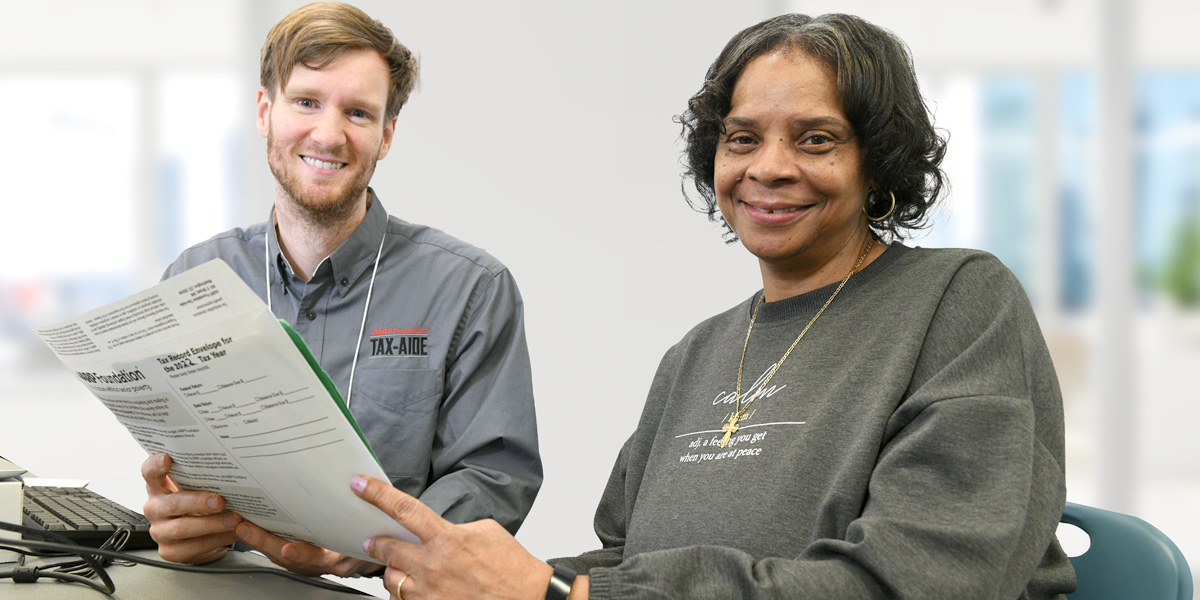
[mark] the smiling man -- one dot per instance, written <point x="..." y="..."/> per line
<point x="422" y="333"/>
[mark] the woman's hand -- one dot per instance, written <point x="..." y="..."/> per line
<point x="476" y="560"/>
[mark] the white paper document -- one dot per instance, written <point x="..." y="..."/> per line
<point x="199" y="368"/>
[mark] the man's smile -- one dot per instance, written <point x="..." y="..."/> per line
<point x="321" y="164"/>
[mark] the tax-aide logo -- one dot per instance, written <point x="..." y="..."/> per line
<point x="399" y="343"/>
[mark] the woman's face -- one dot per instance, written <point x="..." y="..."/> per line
<point x="789" y="176"/>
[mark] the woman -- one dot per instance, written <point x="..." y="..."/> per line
<point x="878" y="421"/>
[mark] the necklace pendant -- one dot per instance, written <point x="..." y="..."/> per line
<point x="729" y="428"/>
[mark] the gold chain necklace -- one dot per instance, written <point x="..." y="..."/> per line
<point x="731" y="427"/>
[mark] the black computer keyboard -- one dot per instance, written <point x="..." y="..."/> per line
<point x="83" y="516"/>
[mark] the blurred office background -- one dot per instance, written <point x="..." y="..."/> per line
<point x="542" y="132"/>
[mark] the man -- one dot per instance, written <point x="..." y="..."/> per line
<point x="441" y="385"/>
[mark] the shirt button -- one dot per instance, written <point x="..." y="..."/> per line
<point x="312" y="315"/>
<point x="345" y="281"/>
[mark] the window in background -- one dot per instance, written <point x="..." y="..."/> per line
<point x="1168" y="185"/>
<point x="1009" y="155"/>
<point x="1167" y="226"/>
<point x="70" y="173"/>
<point x="201" y="169"/>
<point x="74" y="169"/>
<point x="955" y="103"/>
<point x="1076" y="159"/>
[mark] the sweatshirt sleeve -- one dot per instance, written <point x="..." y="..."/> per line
<point x="485" y="455"/>
<point x="609" y="523"/>
<point x="965" y="494"/>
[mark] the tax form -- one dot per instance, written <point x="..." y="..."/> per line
<point x="198" y="367"/>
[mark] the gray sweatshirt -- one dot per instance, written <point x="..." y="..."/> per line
<point x="910" y="447"/>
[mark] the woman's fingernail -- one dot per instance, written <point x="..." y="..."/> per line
<point x="358" y="484"/>
<point x="367" y="546"/>
<point x="160" y="460"/>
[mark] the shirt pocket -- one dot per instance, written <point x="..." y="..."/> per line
<point x="397" y="411"/>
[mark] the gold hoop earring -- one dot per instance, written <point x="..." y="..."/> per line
<point x="886" y="215"/>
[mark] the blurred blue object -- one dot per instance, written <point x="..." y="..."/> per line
<point x="1127" y="558"/>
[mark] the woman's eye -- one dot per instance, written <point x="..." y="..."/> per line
<point x="817" y="142"/>
<point x="740" y="143"/>
<point x="740" y="140"/>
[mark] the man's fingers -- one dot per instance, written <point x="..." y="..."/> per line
<point x="154" y="471"/>
<point x="406" y="510"/>
<point x="197" y="550"/>
<point x="166" y="501"/>
<point x="213" y="554"/>
<point x="178" y="504"/>
<point x="189" y="527"/>
<point x="183" y="528"/>
<point x="297" y="557"/>
<point x="273" y="545"/>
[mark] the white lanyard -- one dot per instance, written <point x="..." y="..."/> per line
<point x="366" y="305"/>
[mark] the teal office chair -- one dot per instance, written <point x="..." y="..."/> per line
<point x="1128" y="558"/>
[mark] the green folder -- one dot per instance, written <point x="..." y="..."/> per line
<point x="332" y="389"/>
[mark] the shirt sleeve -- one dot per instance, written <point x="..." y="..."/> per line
<point x="485" y="461"/>
<point x="172" y="269"/>
<point x="965" y="495"/>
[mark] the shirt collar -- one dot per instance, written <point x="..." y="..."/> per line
<point x="357" y="254"/>
<point x="354" y="256"/>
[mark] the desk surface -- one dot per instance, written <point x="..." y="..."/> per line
<point x="143" y="581"/>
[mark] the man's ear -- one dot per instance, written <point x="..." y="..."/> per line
<point x="389" y="131"/>
<point x="264" y="112"/>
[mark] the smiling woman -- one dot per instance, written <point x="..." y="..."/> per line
<point x="876" y="94"/>
<point x="913" y="445"/>
<point x="789" y="179"/>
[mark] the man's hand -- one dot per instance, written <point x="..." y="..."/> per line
<point x="189" y="527"/>
<point x="475" y="560"/>
<point x="301" y="558"/>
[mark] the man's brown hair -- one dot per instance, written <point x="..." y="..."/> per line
<point x="316" y="34"/>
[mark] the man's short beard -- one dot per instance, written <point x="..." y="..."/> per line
<point x="313" y="209"/>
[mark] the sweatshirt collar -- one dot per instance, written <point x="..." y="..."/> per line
<point x="806" y="304"/>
